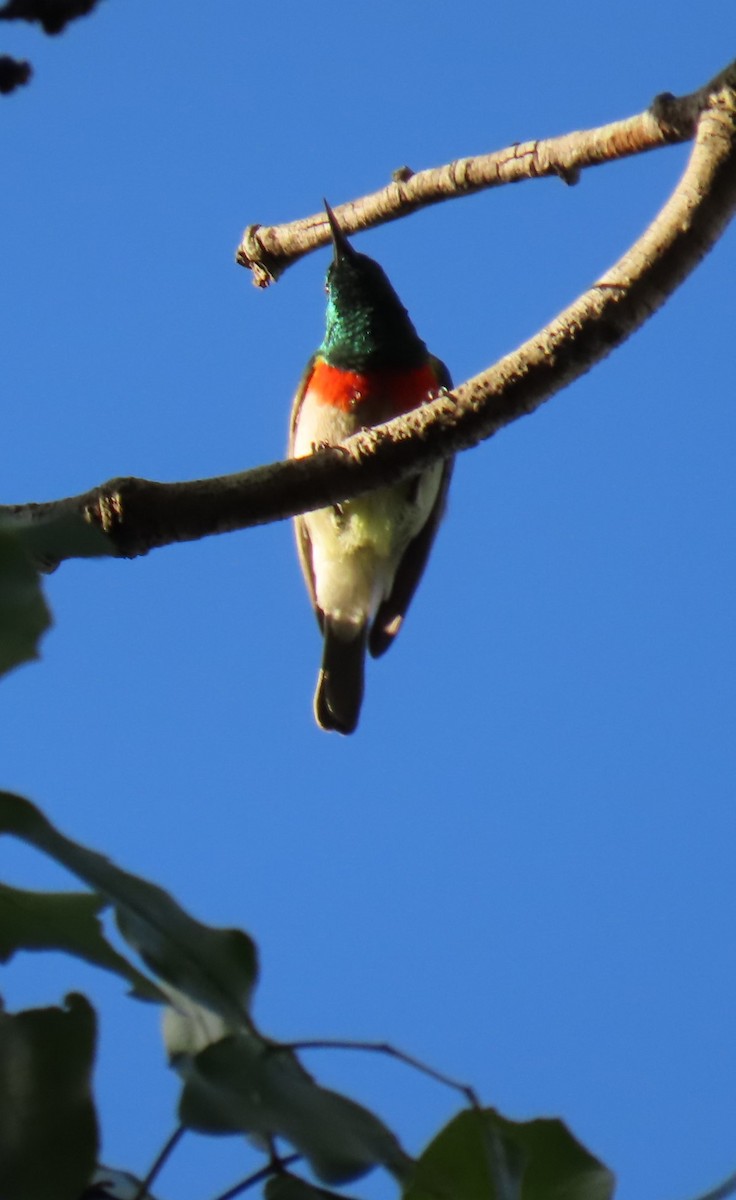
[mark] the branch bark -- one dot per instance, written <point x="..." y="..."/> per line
<point x="128" y="517"/>
<point x="268" y="250"/>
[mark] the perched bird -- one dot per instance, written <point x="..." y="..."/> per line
<point x="362" y="559"/>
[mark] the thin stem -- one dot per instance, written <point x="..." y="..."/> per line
<point x="401" y="1056"/>
<point x="265" y="1173"/>
<point x="167" y="1149"/>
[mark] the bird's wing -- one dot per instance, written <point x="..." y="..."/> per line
<point x="393" y="610"/>
<point x="297" y="404"/>
<point x="303" y="541"/>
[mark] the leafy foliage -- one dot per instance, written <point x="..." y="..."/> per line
<point x="14" y="72"/>
<point x="51" y="15"/>
<point x="245" y="1084"/>
<point x="235" y="1080"/>
<point x="216" y="967"/>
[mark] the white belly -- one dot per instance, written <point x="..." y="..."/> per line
<point x="357" y="546"/>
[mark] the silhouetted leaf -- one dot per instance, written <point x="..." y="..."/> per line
<point x="245" y="1085"/>
<point x="290" y="1187"/>
<point x="52" y="15"/>
<point x="14" y="72"/>
<point x="215" y="967"/>
<point x="23" y="612"/>
<point x="241" y="1083"/>
<point x="48" y="1130"/>
<point x="480" y="1153"/>
<point x="66" y="921"/>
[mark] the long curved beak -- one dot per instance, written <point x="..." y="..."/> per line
<point x="342" y="247"/>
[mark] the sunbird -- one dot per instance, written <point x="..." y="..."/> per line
<point x="362" y="559"/>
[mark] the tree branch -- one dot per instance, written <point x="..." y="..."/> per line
<point x="267" y="250"/>
<point x="128" y="517"/>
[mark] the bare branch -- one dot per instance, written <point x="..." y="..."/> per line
<point x="128" y="517"/>
<point x="268" y="250"/>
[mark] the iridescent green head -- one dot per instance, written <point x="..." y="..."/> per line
<point x="367" y="325"/>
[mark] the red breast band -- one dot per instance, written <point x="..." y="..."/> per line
<point x="348" y="390"/>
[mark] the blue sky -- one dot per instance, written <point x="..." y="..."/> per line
<point x="520" y="868"/>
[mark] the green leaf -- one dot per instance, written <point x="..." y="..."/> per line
<point x="249" y="1084"/>
<point x="215" y="967"/>
<point x="556" y="1162"/>
<point x="188" y="1027"/>
<point x="23" y="612"/>
<point x="481" y="1153"/>
<point x="66" y="921"/>
<point x="48" y="1130"/>
<point x="49" y="534"/>
<point x="245" y="1085"/>
<point x="290" y="1187"/>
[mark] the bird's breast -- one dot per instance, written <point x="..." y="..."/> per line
<point x="371" y="397"/>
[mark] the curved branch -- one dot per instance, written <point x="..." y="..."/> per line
<point x="131" y="516"/>
<point x="267" y="250"/>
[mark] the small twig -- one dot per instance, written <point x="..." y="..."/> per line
<point x="392" y="1052"/>
<point x="267" y="250"/>
<point x="167" y="1149"/>
<point x="273" y="1168"/>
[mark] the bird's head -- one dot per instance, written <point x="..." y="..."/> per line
<point x="367" y="325"/>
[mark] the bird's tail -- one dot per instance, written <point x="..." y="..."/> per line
<point x="339" y="692"/>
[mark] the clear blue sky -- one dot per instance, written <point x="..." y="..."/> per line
<point x="521" y="866"/>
